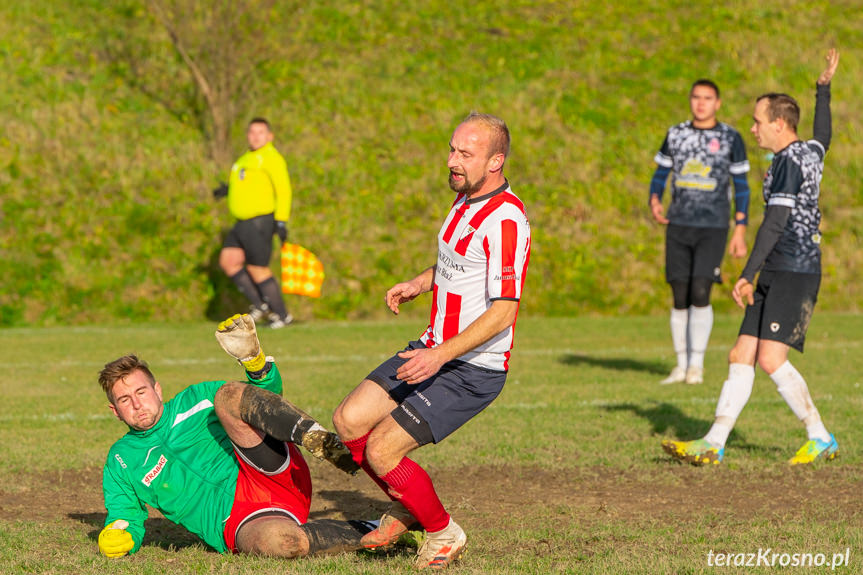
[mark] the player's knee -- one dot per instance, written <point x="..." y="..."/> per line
<point x="347" y="420"/>
<point x="680" y="294"/>
<point x="769" y="362"/>
<point x="227" y="399"/>
<point x="699" y="292"/>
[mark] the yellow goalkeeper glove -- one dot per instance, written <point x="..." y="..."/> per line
<point x="238" y="337"/>
<point x="114" y="540"/>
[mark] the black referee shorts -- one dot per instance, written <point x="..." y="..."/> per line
<point x="783" y="306"/>
<point x="431" y="410"/>
<point x="693" y="252"/>
<point x="255" y="237"/>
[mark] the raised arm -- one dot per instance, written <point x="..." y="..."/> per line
<point x="822" y="124"/>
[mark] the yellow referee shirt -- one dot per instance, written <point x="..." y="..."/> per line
<point x="259" y="185"/>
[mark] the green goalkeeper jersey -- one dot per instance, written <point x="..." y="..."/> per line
<point x="184" y="466"/>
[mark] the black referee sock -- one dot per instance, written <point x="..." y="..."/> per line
<point x="272" y="295"/>
<point x="247" y="287"/>
<point x="329" y="536"/>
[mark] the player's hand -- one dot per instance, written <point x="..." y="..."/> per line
<point x="832" y="64"/>
<point x="742" y="292"/>
<point x="401" y="293"/>
<point x="221" y="191"/>
<point x="657" y="211"/>
<point x="237" y="336"/>
<point x="114" y="540"/>
<point x="421" y="365"/>
<point x="282" y="231"/>
<point x="737" y="245"/>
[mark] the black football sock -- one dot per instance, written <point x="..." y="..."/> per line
<point x="247" y="287"/>
<point x="272" y="295"/>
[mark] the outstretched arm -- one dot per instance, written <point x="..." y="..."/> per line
<point x="822" y="124"/>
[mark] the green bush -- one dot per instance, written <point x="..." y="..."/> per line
<point x="104" y="175"/>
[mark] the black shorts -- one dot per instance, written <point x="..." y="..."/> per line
<point x="431" y="410"/>
<point x="783" y="307"/>
<point x="255" y="237"/>
<point x="693" y="252"/>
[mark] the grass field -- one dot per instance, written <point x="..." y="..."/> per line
<point x="562" y="474"/>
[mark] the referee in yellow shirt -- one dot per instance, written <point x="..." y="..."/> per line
<point x="259" y="196"/>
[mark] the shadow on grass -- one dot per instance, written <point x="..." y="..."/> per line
<point x="668" y="420"/>
<point x="615" y="363"/>
<point x="160" y="531"/>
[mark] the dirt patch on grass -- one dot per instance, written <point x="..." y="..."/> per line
<point x="481" y="496"/>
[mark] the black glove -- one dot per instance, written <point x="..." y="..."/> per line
<point x="282" y="230"/>
<point x="221" y="191"/>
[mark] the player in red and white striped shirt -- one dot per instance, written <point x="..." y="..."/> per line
<point x="459" y="364"/>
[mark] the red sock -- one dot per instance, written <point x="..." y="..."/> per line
<point x="413" y="487"/>
<point x="357" y="447"/>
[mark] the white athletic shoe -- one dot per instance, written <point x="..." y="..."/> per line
<point x="694" y="375"/>
<point x="277" y="322"/>
<point x="440" y="549"/>
<point x="259" y="313"/>
<point x="677" y="375"/>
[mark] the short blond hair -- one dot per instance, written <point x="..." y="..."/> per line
<point x="122" y="368"/>
<point x="499" y="141"/>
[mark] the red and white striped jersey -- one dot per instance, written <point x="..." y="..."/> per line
<point x="483" y="251"/>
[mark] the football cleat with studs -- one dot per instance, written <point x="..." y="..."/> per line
<point x="816" y="449"/>
<point x="442" y="548"/>
<point x="696" y="452"/>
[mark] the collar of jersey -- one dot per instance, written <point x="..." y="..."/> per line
<point x="488" y="195"/>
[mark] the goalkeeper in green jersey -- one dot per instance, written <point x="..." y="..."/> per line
<point x="220" y="459"/>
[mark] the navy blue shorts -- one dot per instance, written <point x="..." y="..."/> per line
<point x="431" y="410"/>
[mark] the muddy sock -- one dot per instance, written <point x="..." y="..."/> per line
<point x="279" y="418"/>
<point x="330" y="536"/>
<point x="272" y="295"/>
<point x="247" y="287"/>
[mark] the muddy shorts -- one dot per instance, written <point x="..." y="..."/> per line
<point x="692" y="252"/>
<point x="431" y="410"/>
<point x="783" y="307"/>
<point x="286" y="491"/>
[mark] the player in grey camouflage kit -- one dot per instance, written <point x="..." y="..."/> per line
<point x="787" y="252"/>
<point x="703" y="157"/>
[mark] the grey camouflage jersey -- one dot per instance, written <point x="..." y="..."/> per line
<point x="702" y="163"/>
<point x="794" y="181"/>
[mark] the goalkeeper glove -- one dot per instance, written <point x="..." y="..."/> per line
<point x="282" y="230"/>
<point x="221" y="191"/>
<point x="114" y="540"/>
<point x="238" y="337"/>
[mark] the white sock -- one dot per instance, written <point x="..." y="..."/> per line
<point x="733" y="397"/>
<point x="793" y="389"/>
<point x="700" y="325"/>
<point x="679" y="323"/>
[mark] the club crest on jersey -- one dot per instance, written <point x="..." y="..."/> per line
<point x="154" y="473"/>
<point x="713" y="146"/>
<point x="242" y="173"/>
<point x="774" y="327"/>
<point x="467" y="231"/>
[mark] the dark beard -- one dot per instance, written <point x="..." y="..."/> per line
<point x="467" y="187"/>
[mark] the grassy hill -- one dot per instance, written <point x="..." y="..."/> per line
<point x="105" y="211"/>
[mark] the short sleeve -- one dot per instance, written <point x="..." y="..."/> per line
<point x="786" y="184"/>
<point x="507" y="247"/>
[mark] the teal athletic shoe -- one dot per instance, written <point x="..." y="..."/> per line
<point x="816" y="449"/>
